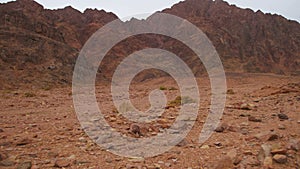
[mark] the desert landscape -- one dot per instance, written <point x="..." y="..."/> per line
<point x="261" y="120"/>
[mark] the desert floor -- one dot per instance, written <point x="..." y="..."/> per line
<point x="259" y="128"/>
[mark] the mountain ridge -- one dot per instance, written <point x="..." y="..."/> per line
<point x="39" y="46"/>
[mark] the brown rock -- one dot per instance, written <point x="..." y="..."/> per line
<point x="62" y="163"/>
<point x="3" y="156"/>
<point x="24" y="165"/>
<point x="268" y="162"/>
<point x="221" y="128"/>
<point x="254" y="119"/>
<point x="282" y="116"/>
<point x="224" y="163"/>
<point x="279" y="158"/>
<point x="7" y="163"/>
<point x="279" y="151"/>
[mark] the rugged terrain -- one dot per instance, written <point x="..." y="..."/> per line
<point x="260" y="125"/>
<point x="39" y="127"/>
<point x="39" y="47"/>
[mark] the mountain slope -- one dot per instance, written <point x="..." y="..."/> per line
<point x="39" y="47"/>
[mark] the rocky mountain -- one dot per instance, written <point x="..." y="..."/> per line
<point x="39" y="46"/>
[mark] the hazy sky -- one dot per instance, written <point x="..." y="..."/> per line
<point x="288" y="8"/>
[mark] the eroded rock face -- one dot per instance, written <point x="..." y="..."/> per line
<point x="40" y="46"/>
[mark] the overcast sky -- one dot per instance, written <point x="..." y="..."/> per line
<point x="123" y="8"/>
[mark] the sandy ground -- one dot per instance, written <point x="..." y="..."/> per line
<point x="259" y="128"/>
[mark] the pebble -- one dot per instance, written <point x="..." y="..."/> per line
<point x="7" y="163"/>
<point x="25" y="165"/>
<point x="279" y="151"/>
<point x="279" y="158"/>
<point x="221" y="128"/>
<point x="246" y="106"/>
<point x="273" y="137"/>
<point x="205" y="147"/>
<point x="62" y="163"/>
<point x="3" y="156"/>
<point x="268" y="162"/>
<point x="281" y="127"/>
<point x="254" y="119"/>
<point x="282" y="116"/>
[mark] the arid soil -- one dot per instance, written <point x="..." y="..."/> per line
<point x="259" y="127"/>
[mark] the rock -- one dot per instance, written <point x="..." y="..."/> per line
<point x="282" y="116"/>
<point x="264" y="152"/>
<point x="62" y="163"/>
<point x="254" y="119"/>
<point x="218" y="144"/>
<point x="1" y="130"/>
<point x="279" y="158"/>
<point x="3" y="156"/>
<point x="136" y="159"/>
<point x="221" y="128"/>
<point x="247" y="106"/>
<point x="24" y="142"/>
<point x="273" y="137"/>
<point x="268" y="162"/>
<point x="183" y="143"/>
<point x="281" y="127"/>
<point x="224" y="163"/>
<point x="279" y="151"/>
<point x="205" y="147"/>
<point x="135" y="129"/>
<point x="25" y="165"/>
<point x="233" y="128"/>
<point x="294" y="145"/>
<point x="230" y="91"/>
<point x="7" y="163"/>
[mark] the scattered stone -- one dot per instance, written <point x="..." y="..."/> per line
<point x="168" y="164"/>
<point x="218" y="144"/>
<point x="294" y="145"/>
<point x="246" y="106"/>
<point x="232" y="128"/>
<point x="135" y="129"/>
<point x="254" y="119"/>
<point x="279" y="158"/>
<point x="268" y="162"/>
<point x="281" y="127"/>
<point x="244" y="131"/>
<point x="230" y="91"/>
<point x="221" y="128"/>
<point x="136" y="159"/>
<point x="273" y="137"/>
<point x="3" y="156"/>
<point x="25" y="165"/>
<point x="282" y="116"/>
<point x="248" y="152"/>
<point x="264" y="152"/>
<point x="225" y="162"/>
<point x="205" y="147"/>
<point x="23" y="142"/>
<point x="279" y="151"/>
<point x="183" y="143"/>
<point x="298" y="121"/>
<point x="62" y="163"/>
<point x="7" y="163"/>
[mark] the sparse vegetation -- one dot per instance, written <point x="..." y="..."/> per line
<point x="162" y="88"/>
